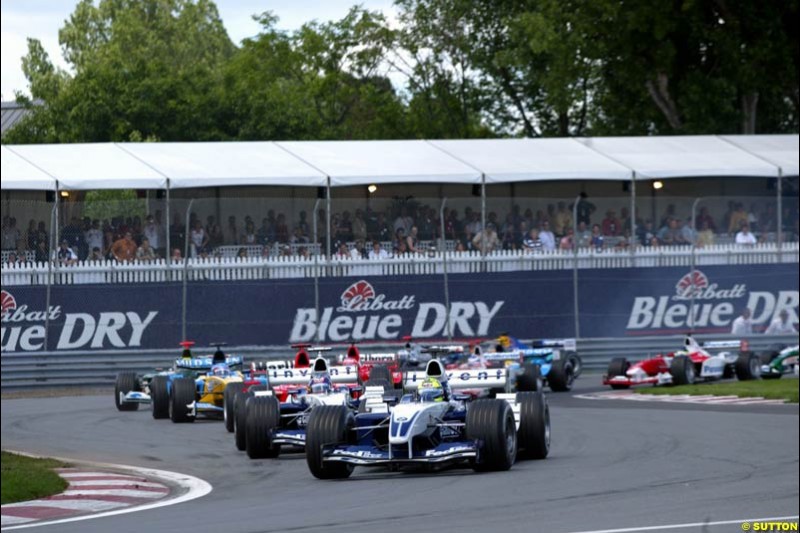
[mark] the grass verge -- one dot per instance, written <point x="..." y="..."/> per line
<point x="780" y="389"/>
<point x="25" y="478"/>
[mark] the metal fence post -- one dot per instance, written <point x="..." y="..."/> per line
<point x="575" y="266"/>
<point x="316" y="274"/>
<point x="49" y="277"/>
<point x="444" y="271"/>
<point x="694" y="261"/>
<point x="185" y="272"/>
<point x="779" y="228"/>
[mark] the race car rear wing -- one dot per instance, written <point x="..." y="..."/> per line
<point x="205" y="363"/>
<point x="462" y="379"/>
<point x="378" y="358"/>
<point x="301" y="376"/>
<point x="567" y="344"/>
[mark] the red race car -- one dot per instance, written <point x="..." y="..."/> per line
<point x="692" y="364"/>
<point x="374" y="366"/>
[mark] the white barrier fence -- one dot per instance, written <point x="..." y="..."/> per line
<point x="252" y="268"/>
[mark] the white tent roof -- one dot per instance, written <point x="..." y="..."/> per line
<point x="18" y="174"/>
<point x="780" y="150"/>
<point x="91" y="166"/>
<point x="680" y="156"/>
<point x="219" y="164"/>
<point x="365" y="162"/>
<point x="508" y="160"/>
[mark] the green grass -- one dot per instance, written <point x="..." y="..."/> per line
<point x="786" y="389"/>
<point x="25" y="478"/>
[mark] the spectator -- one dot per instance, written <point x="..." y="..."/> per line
<point x="382" y="231"/>
<point x="248" y="237"/>
<point x="508" y="235"/>
<point x="597" y="239"/>
<point x="584" y="236"/>
<point x="12" y="259"/>
<point x="215" y="237"/>
<point x="344" y="228"/>
<point x="281" y="229"/>
<point x="42" y="234"/>
<point x="96" y="254"/>
<point x="31" y="235"/>
<point x="266" y="233"/>
<point x="547" y="237"/>
<point x="460" y="247"/>
<point x="303" y="252"/>
<point x="738" y="217"/>
<point x="752" y="217"/>
<point x="413" y="240"/>
<point x="342" y="251"/>
<point x="567" y="241"/>
<point x="94" y="236"/>
<point x="745" y="237"/>
<point x="11" y="233"/>
<point x="377" y="253"/>
<point x="359" y="251"/>
<point x="298" y="237"/>
<point x="671" y="234"/>
<point x="705" y="218"/>
<point x="486" y="240"/>
<point x="42" y="252"/>
<point x="706" y="236"/>
<point x="611" y="224"/>
<point x="359" y="226"/>
<point x="124" y="249"/>
<point x="688" y="234"/>
<point x="66" y="256"/>
<point x="743" y="325"/>
<point x="532" y="242"/>
<point x="625" y="241"/>
<point x="474" y="226"/>
<point x="151" y="232"/>
<point x="401" y="249"/>
<point x="645" y="233"/>
<point x="145" y="253"/>
<point x="562" y="219"/>
<point x="177" y="231"/>
<point x="781" y="325"/>
<point x="265" y="252"/>
<point x="232" y="231"/>
<point x="303" y="225"/>
<point x="428" y="225"/>
<point x="768" y="222"/>
<point x="198" y="237"/>
<point x="241" y="253"/>
<point x="654" y="242"/>
<point x="585" y="209"/>
<point x="403" y="221"/>
<point x="668" y="215"/>
<point x="176" y="255"/>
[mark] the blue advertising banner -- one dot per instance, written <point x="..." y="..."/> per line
<point x="613" y="303"/>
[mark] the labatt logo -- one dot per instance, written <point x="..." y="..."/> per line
<point x="24" y="328"/>
<point x="365" y="314"/>
<point x="715" y="306"/>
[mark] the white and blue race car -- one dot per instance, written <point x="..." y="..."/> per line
<point x="486" y="433"/>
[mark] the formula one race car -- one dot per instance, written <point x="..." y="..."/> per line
<point x="684" y="367"/>
<point x="132" y="389"/>
<point x="374" y="366"/>
<point x="551" y="361"/>
<point x="433" y="426"/>
<point x="778" y="361"/>
<point x="271" y="422"/>
<point x="187" y="398"/>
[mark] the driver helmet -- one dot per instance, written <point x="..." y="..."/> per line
<point x="320" y="384"/>
<point x="220" y="370"/>
<point x="431" y="390"/>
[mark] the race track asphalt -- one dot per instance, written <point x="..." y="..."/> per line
<point x="613" y="464"/>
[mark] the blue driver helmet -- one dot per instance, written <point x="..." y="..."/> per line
<point x="431" y="390"/>
<point x="320" y="384"/>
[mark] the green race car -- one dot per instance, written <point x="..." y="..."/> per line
<point x="779" y="361"/>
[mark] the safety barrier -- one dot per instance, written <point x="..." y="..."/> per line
<point x="26" y="371"/>
<point x="250" y="268"/>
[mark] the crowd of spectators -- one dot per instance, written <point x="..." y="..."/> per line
<point x="404" y="229"/>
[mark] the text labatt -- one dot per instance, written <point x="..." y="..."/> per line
<point x="24" y="329"/>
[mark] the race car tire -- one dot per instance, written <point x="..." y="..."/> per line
<point x="227" y="403"/>
<point x="534" y="425"/>
<point x="239" y="414"/>
<point x="769" y="355"/>
<point x="577" y="363"/>
<point x="562" y="375"/>
<point x="618" y="366"/>
<point x="682" y="370"/>
<point x="491" y="423"/>
<point x="125" y="383"/>
<point x="262" y="415"/>
<point x="530" y="379"/>
<point x="379" y="372"/>
<point x="183" y="393"/>
<point x="328" y="424"/>
<point x="729" y="371"/>
<point x="748" y="366"/>
<point x="159" y="397"/>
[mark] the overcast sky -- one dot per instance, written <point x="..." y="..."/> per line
<point x="42" y="19"/>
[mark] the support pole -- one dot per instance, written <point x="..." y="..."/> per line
<point x="50" y="250"/>
<point x="633" y="240"/>
<point x="168" y="221"/>
<point x="483" y="219"/>
<point x="185" y="271"/>
<point x="328" y="218"/>
<point x="316" y="274"/>
<point x="575" y="266"/>
<point x="779" y="228"/>
<point x="444" y="271"/>
<point x="694" y="263"/>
